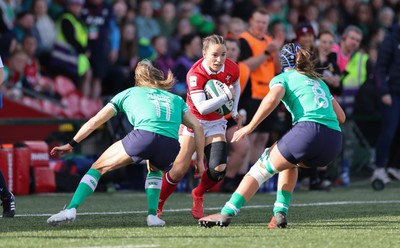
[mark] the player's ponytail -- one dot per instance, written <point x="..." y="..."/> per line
<point x="147" y="75"/>
<point x="305" y="65"/>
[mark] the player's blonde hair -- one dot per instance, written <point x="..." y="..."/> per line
<point x="213" y="40"/>
<point x="146" y="75"/>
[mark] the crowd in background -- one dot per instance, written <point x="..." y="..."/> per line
<point x="73" y="52"/>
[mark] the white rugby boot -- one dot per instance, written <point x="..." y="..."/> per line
<point x="153" y="220"/>
<point x="380" y="174"/>
<point x="64" y="216"/>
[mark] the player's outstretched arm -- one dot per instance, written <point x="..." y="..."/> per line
<point x="106" y="113"/>
<point x="191" y="122"/>
<point x="268" y="104"/>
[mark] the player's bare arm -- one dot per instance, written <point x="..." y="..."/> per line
<point x="106" y="113"/>
<point x="191" y="122"/>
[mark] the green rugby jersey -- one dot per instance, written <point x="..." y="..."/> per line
<point x="151" y="109"/>
<point x="307" y="99"/>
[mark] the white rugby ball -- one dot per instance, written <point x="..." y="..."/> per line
<point x="215" y="88"/>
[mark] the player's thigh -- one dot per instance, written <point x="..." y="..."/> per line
<point x="279" y="162"/>
<point x="113" y="158"/>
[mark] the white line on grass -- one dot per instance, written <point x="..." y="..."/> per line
<point x="218" y="208"/>
<point x="125" y="246"/>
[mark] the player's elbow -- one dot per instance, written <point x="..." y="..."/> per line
<point x="203" y="111"/>
<point x="342" y="118"/>
<point x="195" y="125"/>
<point x="272" y="100"/>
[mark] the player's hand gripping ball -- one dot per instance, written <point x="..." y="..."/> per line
<point x="215" y="88"/>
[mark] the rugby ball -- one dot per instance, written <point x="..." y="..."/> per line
<point x="215" y="88"/>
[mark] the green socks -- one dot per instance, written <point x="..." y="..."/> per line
<point x="85" y="188"/>
<point x="232" y="207"/>
<point x="153" y="190"/>
<point x="282" y="202"/>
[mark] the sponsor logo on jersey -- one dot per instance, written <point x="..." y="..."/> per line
<point x="193" y="81"/>
<point x="228" y="78"/>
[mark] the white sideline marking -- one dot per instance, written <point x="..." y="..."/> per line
<point x="125" y="246"/>
<point x="218" y="208"/>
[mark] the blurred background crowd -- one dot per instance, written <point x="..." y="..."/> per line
<point x="75" y="53"/>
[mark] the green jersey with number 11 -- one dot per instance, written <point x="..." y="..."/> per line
<point x="151" y="109"/>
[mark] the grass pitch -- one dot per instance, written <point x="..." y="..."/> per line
<point x="345" y="217"/>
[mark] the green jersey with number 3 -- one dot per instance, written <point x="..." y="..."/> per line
<point x="151" y="109"/>
<point x="307" y="99"/>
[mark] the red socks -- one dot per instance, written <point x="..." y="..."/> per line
<point x="167" y="188"/>
<point x="205" y="184"/>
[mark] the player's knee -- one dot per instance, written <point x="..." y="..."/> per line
<point x="259" y="173"/>
<point x="263" y="169"/>
<point x="216" y="154"/>
<point x="216" y="175"/>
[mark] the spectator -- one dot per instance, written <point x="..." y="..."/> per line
<point x="292" y="22"/>
<point x="203" y="25"/>
<point x="167" y="21"/>
<point x="14" y="74"/>
<point x="128" y="52"/>
<point x="330" y="20"/>
<point x="191" y="52"/>
<point x="25" y="24"/>
<point x="366" y="22"/>
<point x="326" y="62"/>
<point x="367" y="102"/>
<point x="277" y="29"/>
<point x="223" y="24"/>
<point x="147" y="26"/>
<point x="311" y="14"/>
<point x="8" y="44"/>
<point x="352" y="64"/>
<point x="174" y="45"/>
<point x="385" y="18"/>
<point x="389" y="89"/>
<point x="347" y="17"/>
<point x="236" y="26"/>
<point x="32" y="76"/>
<point x="70" y="55"/>
<point x="120" y="8"/>
<point x="305" y="36"/>
<point x="162" y="60"/>
<point x="259" y="52"/>
<point x="45" y="26"/>
<point x="103" y="42"/>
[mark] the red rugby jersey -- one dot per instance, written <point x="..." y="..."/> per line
<point x="198" y="76"/>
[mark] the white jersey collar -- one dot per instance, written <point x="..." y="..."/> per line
<point x="209" y="72"/>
